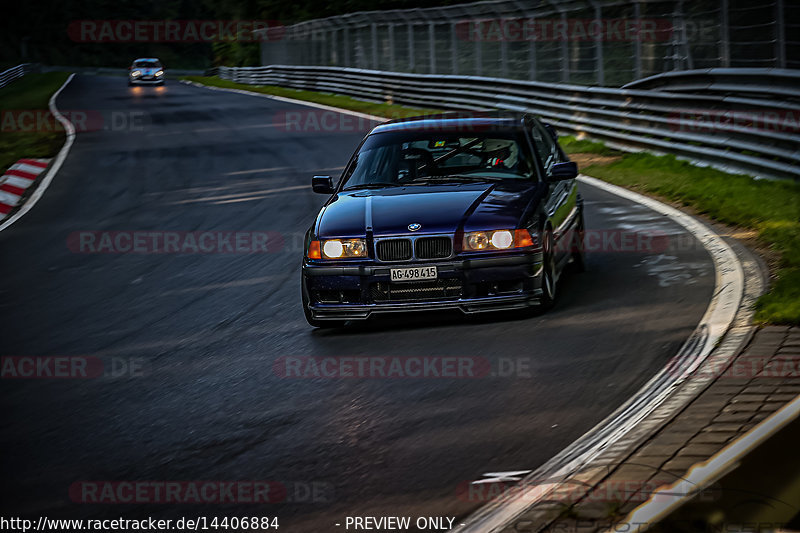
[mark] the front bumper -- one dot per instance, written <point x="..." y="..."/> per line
<point x="356" y="292"/>
<point x="146" y="81"/>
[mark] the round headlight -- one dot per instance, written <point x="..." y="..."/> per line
<point x="333" y="249"/>
<point x="477" y="241"/>
<point x="502" y="239"/>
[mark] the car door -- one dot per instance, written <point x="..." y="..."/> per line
<point x="561" y="205"/>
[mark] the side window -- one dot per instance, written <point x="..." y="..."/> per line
<point x="545" y="146"/>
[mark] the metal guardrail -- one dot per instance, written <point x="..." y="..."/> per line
<point x="778" y="84"/>
<point x="736" y="133"/>
<point x="7" y="76"/>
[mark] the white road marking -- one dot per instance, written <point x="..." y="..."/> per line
<point x="669" y="271"/>
<point x="289" y="100"/>
<point x="242" y="196"/>
<point x="226" y="285"/>
<point x="501" y="477"/>
<point x="255" y="171"/>
<point x="161" y="134"/>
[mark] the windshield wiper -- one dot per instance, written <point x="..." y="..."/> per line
<point x="371" y="186"/>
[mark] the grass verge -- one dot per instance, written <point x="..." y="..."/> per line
<point x="770" y="208"/>
<point x="23" y="136"/>
<point x="335" y="100"/>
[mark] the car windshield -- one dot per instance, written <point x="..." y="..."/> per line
<point x="147" y="64"/>
<point x="411" y="158"/>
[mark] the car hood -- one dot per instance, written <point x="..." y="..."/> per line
<point x="437" y="208"/>
<point x="146" y="71"/>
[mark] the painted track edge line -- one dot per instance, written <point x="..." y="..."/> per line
<point x="57" y="162"/>
<point x="718" y="318"/>
<point x="306" y="103"/>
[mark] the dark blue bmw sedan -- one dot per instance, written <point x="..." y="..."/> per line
<point x="474" y="213"/>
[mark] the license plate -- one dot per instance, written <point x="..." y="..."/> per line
<point x="413" y="273"/>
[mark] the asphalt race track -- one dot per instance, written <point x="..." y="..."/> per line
<point x="190" y="340"/>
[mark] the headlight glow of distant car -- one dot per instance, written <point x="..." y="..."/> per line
<point x="502" y="239"/>
<point x="159" y="73"/>
<point x="136" y="73"/>
<point x="344" y="248"/>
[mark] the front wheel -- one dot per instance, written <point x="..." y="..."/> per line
<point x="549" y="284"/>
<point x="578" y="246"/>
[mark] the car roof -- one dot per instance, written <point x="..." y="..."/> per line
<point x="457" y="120"/>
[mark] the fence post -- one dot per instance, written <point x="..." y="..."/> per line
<point x="346" y="43"/>
<point x="374" y="32"/>
<point x="478" y="55"/>
<point x="564" y="52"/>
<point x="724" y="38"/>
<point x="637" y="44"/>
<point x="312" y="45"/>
<point x="391" y="46"/>
<point x="432" y="45"/>
<point x="410" y="47"/>
<point x="453" y="48"/>
<point x="780" y="35"/>
<point x="685" y="37"/>
<point x="598" y="47"/>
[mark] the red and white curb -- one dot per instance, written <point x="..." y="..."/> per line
<point x="16" y="179"/>
<point x="55" y="165"/>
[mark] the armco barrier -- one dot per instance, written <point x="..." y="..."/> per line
<point x="7" y="76"/>
<point x="755" y="130"/>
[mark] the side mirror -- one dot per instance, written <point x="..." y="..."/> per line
<point x="322" y="184"/>
<point x="563" y="171"/>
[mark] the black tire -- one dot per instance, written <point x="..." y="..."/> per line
<point x="313" y="321"/>
<point x="578" y="246"/>
<point x="549" y="284"/>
